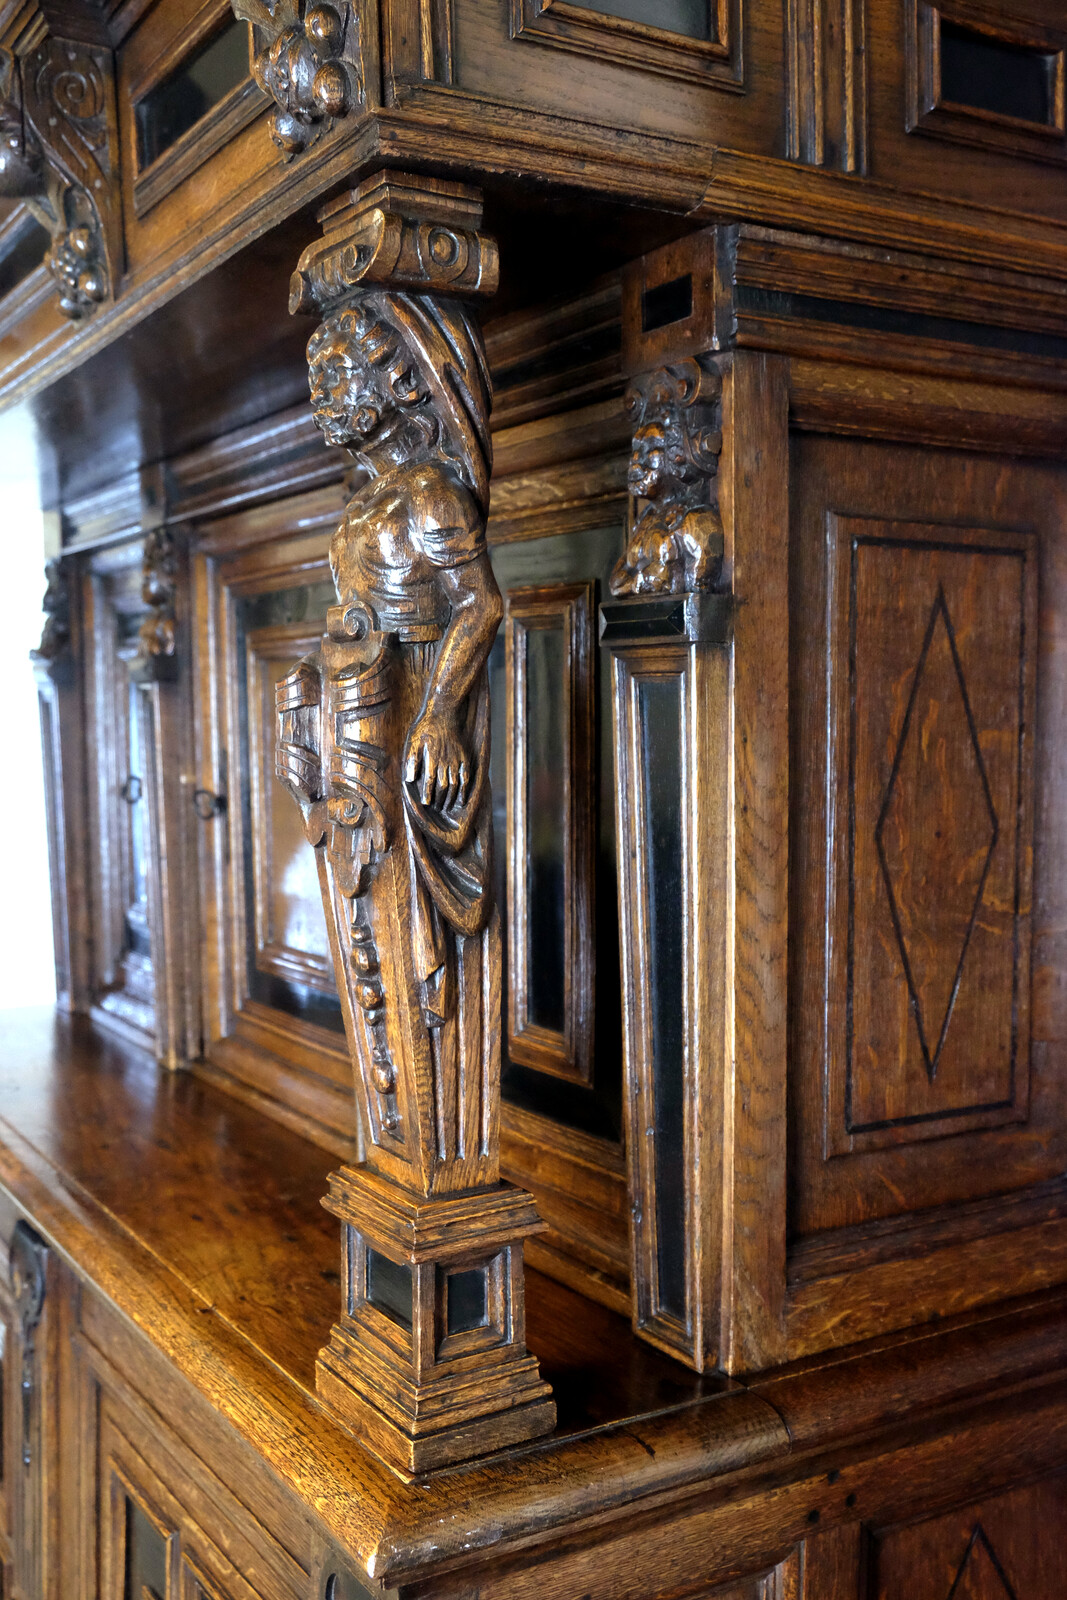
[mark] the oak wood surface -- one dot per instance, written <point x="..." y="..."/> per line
<point x="214" y="1277"/>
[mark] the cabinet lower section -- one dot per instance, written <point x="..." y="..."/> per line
<point x="122" y="1481"/>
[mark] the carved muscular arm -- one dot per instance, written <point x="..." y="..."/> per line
<point x="435" y="759"/>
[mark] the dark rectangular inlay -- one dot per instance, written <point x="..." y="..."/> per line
<point x="146" y="1556"/>
<point x="546" y="825"/>
<point x="666" y="303"/>
<point x="660" y="706"/>
<point x="468" y="1300"/>
<point x="389" y="1287"/>
<point x="690" y="18"/>
<point x="1009" y="80"/>
<point x="200" y="82"/>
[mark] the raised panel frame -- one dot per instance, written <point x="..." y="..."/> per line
<point x="297" y="1069"/>
<point x="716" y="62"/>
<point x="284" y="644"/>
<point x="928" y="112"/>
<point x="849" y="877"/>
<point x="566" y="1053"/>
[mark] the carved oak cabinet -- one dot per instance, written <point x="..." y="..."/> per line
<point x="552" y="694"/>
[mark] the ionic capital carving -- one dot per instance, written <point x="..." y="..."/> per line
<point x="58" y="153"/>
<point x="400" y="231"/>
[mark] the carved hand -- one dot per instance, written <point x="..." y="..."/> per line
<point x="435" y="760"/>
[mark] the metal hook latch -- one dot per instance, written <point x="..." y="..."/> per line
<point x="207" y="804"/>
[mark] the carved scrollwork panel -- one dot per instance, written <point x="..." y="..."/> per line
<point x="59" y="154"/>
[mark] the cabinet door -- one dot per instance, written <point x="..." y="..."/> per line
<point x="272" y="1020"/>
<point x="928" y="885"/>
<point x="123" y="977"/>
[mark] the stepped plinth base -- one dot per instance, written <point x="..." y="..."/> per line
<point x="428" y="1363"/>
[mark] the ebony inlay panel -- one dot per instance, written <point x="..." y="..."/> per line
<point x="931" y="664"/>
<point x="550" y="828"/>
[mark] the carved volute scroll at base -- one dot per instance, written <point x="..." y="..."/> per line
<point x="58" y="153"/>
<point x="676" y="544"/>
<point x="384" y="743"/>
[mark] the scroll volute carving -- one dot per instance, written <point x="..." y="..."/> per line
<point x="384" y="743"/>
<point x="307" y="57"/>
<point x="59" y="154"/>
<point x="676" y="544"/>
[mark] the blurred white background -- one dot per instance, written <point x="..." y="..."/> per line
<point x="27" y="974"/>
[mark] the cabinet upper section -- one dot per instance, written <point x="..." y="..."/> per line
<point x="142" y="143"/>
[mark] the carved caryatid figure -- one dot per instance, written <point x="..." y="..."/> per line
<point x="401" y="382"/>
<point x="384" y="742"/>
<point x="676" y="544"/>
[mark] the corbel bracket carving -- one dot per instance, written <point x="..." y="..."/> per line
<point x="676" y="544"/>
<point x="307" y="58"/>
<point x="59" y="154"/>
<point x="55" y="635"/>
<point x="153" y="657"/>
<point x="27" y="1266"/>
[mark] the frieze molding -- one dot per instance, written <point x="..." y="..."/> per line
<point x="676" y="542"/>
<point x="307" y="57"/>
<point x="59" y="154"/>
<point x="383" y="741"/>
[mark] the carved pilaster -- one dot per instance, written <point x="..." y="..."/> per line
<point x="384" y="743"/>
<point x="676" y="544"/>
<point x="58" y="153"/>
<point x="307" y="57"/>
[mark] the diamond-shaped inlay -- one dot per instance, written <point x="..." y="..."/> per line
<point x="936" y="833"/>
<point x="980" y="1575"/>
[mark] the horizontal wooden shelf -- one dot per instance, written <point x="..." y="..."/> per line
<point x="199" y="1219"/>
